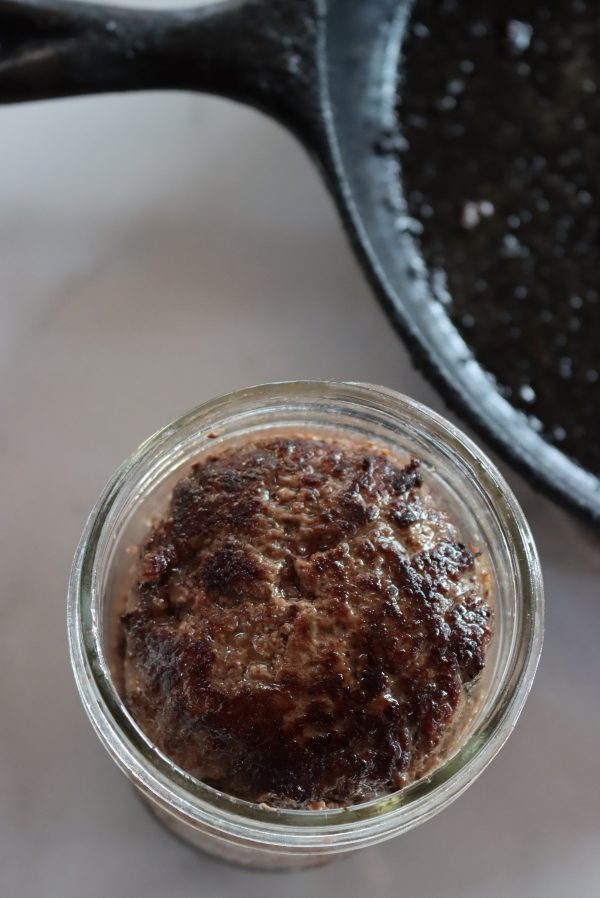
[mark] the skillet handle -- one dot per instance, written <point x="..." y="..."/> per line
<point x="261" y="52"/>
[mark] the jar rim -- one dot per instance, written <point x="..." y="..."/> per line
<point x="232" y="818"/>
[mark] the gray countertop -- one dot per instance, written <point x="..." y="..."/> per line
<point x="156" y="251"/>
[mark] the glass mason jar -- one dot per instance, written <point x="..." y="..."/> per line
<point x="488" y="516"/>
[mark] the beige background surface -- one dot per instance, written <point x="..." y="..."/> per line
<point x="156" y="251"/>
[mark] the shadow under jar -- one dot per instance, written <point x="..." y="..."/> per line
<point x="465" y="484"/>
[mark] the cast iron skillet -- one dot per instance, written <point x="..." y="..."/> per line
<point x="326" y="69"/>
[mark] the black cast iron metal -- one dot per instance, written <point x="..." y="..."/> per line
<point x="326" y="69"/>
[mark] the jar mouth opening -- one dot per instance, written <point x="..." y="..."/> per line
<point x="193" y="801"/>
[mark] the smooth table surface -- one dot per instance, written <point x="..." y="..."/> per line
<point x="156" y="251"/>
